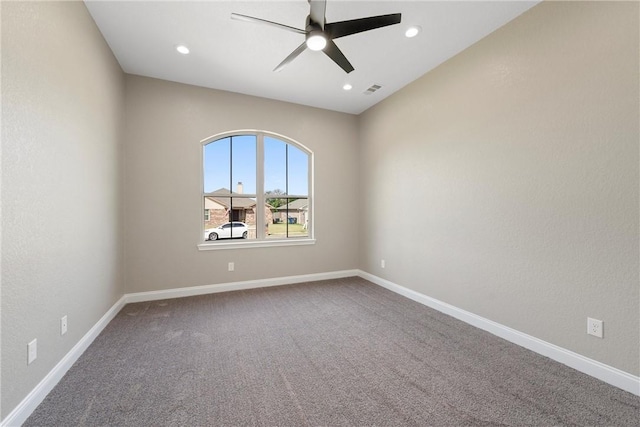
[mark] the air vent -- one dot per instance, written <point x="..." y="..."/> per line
<point x="372" y="89"/>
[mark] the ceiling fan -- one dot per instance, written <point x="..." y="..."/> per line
<point x="319" y="34"/>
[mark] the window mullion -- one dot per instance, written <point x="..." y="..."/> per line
<point x="230" y="216"/>
<point x="260" y="199"/>
<point x="286" y="186"/>
<point x="310" y="189"/>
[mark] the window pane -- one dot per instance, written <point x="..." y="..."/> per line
<point x="229" y="218"/>
<point x="275" y="166"/>
<point x="291" y="219"/>
<point x="243" y="164"/>
<point x="298" y="172"/>
<point x="217" y="162"/>
<point x="275" y="184"/>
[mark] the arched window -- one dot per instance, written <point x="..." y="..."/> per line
<point x="257" y="190"/>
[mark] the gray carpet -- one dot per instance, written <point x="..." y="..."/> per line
<point x="330" y="353"/>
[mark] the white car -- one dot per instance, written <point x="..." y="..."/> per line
<point x="229" y="230"/>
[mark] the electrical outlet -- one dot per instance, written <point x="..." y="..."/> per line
<point x="232" y="266"/>
<point x="32" y="351"/>
<point x="63" y="325"/>
<point x="595" y="327"/>
<point x="382" y="263"/>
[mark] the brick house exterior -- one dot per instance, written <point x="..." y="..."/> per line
<point x="224" y="206"/>
<point x="298" y="209"/>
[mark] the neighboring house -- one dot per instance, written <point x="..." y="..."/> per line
<point x="298" y="209"/>
<point x="223" y="206"/>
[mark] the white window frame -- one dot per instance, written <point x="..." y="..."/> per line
<point x="207" y="215"/>
<point x="261" y="240"/>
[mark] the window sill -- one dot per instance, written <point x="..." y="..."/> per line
<point x="254" y="244"/>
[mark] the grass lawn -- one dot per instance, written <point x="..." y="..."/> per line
<point x="276" y="230"/>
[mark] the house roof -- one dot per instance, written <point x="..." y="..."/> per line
<point x="223" y="196"/>
<point x="295" y="205"/>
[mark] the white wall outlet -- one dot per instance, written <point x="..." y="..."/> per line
<point x="63" y="325"/>
<point x="595" y="327"/>
<point x="32" y="351"/>
<point x="382" y="263"/>
<point x="232" y="266"/>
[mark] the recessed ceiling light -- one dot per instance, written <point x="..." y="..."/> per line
<point x="347" y="86"/>
<point x="412" y="31"/>
<point x="182" y="49"/>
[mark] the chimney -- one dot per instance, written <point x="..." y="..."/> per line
<point x="240" y="188"/>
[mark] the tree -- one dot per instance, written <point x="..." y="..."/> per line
<point x="273" y="198"/>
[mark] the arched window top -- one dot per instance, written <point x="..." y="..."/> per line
<point x="256" y="188"/>
<point x="274" y="135"/>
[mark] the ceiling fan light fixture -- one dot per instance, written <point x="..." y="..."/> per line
<point x="316" y="40"/>
<point x="182" y="49"/>
<point x="319" y="34"/>
<point x="412" y="31"/>
<point x="347" y="86"/>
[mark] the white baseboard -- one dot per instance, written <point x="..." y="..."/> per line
<point x="21" y="412"/>
<point x="235" y="286"/>
<point x="591" y="367"/>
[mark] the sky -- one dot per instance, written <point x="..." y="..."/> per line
<point x="220" y="172"/>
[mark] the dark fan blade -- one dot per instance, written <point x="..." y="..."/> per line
<point x="346" y="28"/>
<point x="293" y="55"/>
<point x="246" y="18"/>
<point x="338" y="57"/>
<point x="318" y="9"/>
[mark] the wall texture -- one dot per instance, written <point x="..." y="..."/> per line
<point x="510" y="175"/>
<point x="165" y="124"/>
<point x="62" y="103"/>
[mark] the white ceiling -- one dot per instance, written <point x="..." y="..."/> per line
<point x="239" y="56"/>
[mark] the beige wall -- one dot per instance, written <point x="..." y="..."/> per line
<point x="165" y="124"/>
<point x="62" y="99"/>
<point x="519" y="158"/>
